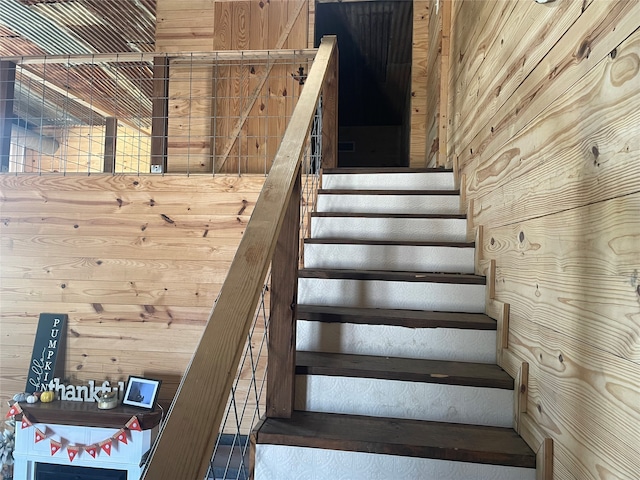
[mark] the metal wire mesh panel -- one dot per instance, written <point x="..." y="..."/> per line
<point x="246" y="402"/>
<point x="140" y="113"/>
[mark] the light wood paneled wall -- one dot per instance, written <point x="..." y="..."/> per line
<point x="82" y="151"/>
<point x="434" y="61"/>
<point x="136" y="262"/>
<point x="545" y="127"/>
<point x="419" y="86"/>
<point x="249" y="101"/>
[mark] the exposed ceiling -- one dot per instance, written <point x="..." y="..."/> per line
<point x="375" y="42"/>
<point x="374" y="39"/>
<point x="61" y="27"/>
<point x="81" y="27"/>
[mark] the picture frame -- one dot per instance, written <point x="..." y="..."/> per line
<point x="141" y="392"/>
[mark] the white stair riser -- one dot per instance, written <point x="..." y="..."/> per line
<point x="389" y="181"/>
<point x="449" y="204"/>
<point x="401" y="399"/>
<point x="451" y="344"/>
<point x="293" y="463"/>
<point x="387" y="294"/>
<point x="397" y="229"/>
<point x="411" y="258"/>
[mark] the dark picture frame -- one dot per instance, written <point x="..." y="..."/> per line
<point x="141" y="392"/>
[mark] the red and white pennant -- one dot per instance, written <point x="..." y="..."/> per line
<point x="74" y="450"/>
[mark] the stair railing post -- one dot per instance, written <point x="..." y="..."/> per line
<point x="282" y="323"/>
<point x="330" y="114"/>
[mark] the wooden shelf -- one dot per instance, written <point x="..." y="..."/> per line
<point x="87" y="414"/>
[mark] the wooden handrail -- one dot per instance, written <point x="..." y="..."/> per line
<point x="186" y="442"/>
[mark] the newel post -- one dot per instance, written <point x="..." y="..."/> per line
<point x="330" y="114"/>
<point x="282" y="323"/>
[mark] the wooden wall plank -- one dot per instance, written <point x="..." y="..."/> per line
<point x="520" y="47"/>
<point x="124" y="203"/>
<point x="419" y="85"/>
<point x="587" y="409"/>
<point x="470" y="47"/>
<point x="434" y="64"/>
<point x="135" y="286"/>
<point x="593" y="169"/>
<point x="443" y="109"/>
<point x="600" y="29"/>
<point x="86" y="224"/>
<point x="552" y="177"/>
<point x="115" y="183"/>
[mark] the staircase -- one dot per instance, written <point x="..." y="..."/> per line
<point x="396" y="375"/>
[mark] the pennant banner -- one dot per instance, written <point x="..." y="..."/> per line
<point x="39" y="436"/>
<point x="106" y="446"/>
<point x="121" y="436"/>
<point x="91" y="450"/>
<point x="26" y="423"/>
<point x="14" y="410"/>
<point x="55" y="447"/>
<point x="134" y="424"/>
<point x="73" y="452"/>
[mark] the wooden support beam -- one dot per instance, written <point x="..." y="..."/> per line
<point x="7" y="83"/>
<point x="469" y="213"/>
<point x="282" y="322"/>
<point x="521" y="395"/>
<point x="330" y="116"/>
<point x="160" y="115"/>
<point x="544" y="460"/>
<point x="110" y="141"/>
<point x="443" y="121"/>
<point x="478" y="253"/>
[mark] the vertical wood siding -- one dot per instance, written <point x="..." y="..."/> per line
<point x="196" y="143"/>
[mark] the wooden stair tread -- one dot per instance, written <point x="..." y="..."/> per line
<point x="344" y="191"/>
<point x="351" y="170"/>
<point x="391" y="436"/>
<point x="403" y="318"/>
<point x="455" y="216"/>
<point x="409" y="243"/>
<point x="390" y="275"/>
<point x="403" y="369"/>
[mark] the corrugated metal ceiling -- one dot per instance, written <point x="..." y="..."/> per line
<point x="374" y="39"/>
<point x="64" y="27"/>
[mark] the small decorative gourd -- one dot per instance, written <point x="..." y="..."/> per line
<point x="20" y="397"/>
<point x="47" y="396"/>
<point x="32" y="399"/>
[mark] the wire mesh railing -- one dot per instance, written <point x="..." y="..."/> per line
<point x="246" y="403"/>
<point x="206" y="432"/>
<point x="219" y="112"/>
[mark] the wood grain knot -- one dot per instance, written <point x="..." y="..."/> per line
<point x="521" y="237"/>
<point x="584" y="50"/>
